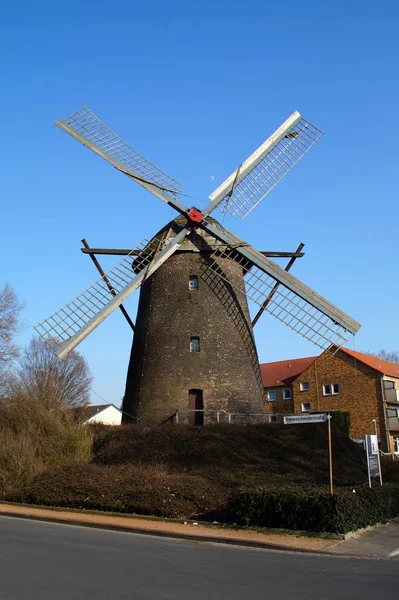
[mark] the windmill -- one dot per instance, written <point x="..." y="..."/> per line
<point x="193" y="345"/>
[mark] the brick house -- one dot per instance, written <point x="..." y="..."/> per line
<point x="365" y="386"/>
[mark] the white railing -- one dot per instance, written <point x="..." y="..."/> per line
<point x="218" y="416"/>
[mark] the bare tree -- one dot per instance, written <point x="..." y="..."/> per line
<point x="390" y="356"/>
<point x="10" y="310"/>
<point x="45" y="377"/>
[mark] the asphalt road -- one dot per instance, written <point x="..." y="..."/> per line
<point x="45" y="561"/>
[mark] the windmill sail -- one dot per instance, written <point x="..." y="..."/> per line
<point x="291" y="301"/>
<point x="255" y="178"/>
<point x="70" y="325"/>
<point x="87" y="128"/>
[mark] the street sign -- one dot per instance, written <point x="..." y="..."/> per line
<point x="373" y="457"/>
<point x="296" y="419"/>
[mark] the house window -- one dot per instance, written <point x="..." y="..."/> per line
<point x="304" y="386"/>
<point x="287" y="394"/>
<point x="396" y="445"/>
<point x="272" y="418"/>
<point x="194" y="344"/>
<point x="271" y="395"/>
<point x="331" y="389"/>
<point x="193" y="282"/>
<point x="305" y="407"/>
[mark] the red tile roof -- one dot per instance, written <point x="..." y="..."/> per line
<point x="382" y="366"/>
<point x="283" y="372"/>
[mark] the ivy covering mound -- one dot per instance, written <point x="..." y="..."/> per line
<point x="125" y="489"/>
<point x="314" y="509"/>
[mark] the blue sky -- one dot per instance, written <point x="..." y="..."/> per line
<point x="196" y="88"/>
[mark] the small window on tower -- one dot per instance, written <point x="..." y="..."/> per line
<point x="194" y="344"/>
<point x="193" y="282"/>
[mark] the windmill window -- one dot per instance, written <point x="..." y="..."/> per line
<point x="304" y="386"/>
<point x="287" y="394"/>
<point x="272" y="418"/>
<point x="271" y="395"/>
<point x="305" y="407"/>
<point x="194" y="344"/>
<point x="193" y="282"/>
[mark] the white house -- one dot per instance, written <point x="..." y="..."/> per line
<point x="107" y="414"/>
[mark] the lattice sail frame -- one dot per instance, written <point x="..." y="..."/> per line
<point x="267" y="166"/>
<point x="284" y="304"/>
<point x="86" y="127"/>
<point x="69" y="320"/>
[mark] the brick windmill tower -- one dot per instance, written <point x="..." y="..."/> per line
<point x="193" y="350"/>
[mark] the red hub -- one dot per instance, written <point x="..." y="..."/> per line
<point x="195" y="216"/>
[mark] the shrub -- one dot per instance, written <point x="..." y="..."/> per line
<point x="314" y="509"/>
<point x="35" y="436"/>
<point x="147" y="490"/>
<point x="341" y="422"/>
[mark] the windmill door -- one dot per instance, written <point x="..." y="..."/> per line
<point x="195" y="407"/>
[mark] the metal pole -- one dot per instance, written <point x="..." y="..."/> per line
<point x="108" y="283"/>
<point x="275" y="287"/>
<point x="367" y="458"/>
<point x="378" y="450"/>
<point x="330" y="455"/>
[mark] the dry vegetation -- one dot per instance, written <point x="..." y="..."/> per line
<point x="36" y="435"/>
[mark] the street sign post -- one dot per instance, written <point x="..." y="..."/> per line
<point x="318" y="418"/>
<point x="294" y="419"/>
<point x="373" y="457"/>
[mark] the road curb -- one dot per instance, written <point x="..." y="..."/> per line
<point x="24" y="512"/>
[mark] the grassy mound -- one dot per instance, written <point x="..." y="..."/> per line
<point x="236" y="456"/>
<point x="227" y="472"/>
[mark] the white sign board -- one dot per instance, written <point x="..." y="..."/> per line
<point x="295" y="419"/>
<point x="373" y="457"/>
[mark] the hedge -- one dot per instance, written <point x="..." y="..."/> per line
<point x="314" y="509"/>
